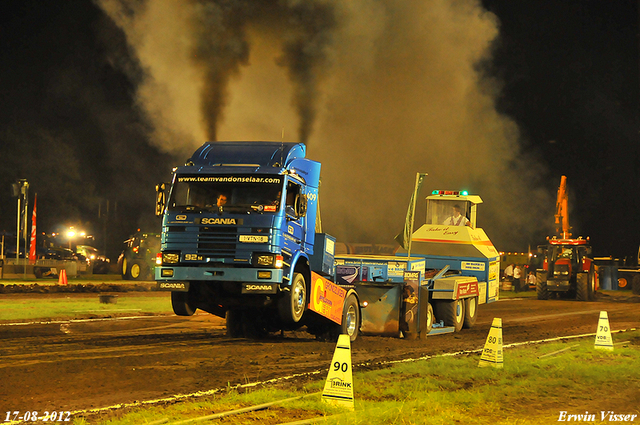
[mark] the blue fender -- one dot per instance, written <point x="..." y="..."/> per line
<point x="300" y="260"/>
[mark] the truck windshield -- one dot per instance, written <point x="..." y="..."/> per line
<point x="226" y="193"/>
<point x="447" y="212"/>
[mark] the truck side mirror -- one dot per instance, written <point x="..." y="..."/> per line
<point x="161" y="199"/>
<point x="301" y="205"/>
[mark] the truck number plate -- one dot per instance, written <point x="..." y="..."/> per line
<point x="254" y="239"/>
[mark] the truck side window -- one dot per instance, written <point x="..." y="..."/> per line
<point x="293" y="191"/>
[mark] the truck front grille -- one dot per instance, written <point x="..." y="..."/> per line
<point x="219" y="242"/>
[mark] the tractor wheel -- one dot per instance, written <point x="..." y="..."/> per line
<point x="586" y="286"/>
<point x="126" y="273"/>
<point x="593" y="283"/>
<point x="138" y="270"/>
<point x="350" y="318"/>
<point x="234" y="323"/>
<point x="183" y="303"/>
<point x="293" y="302"/>
<point x="582" y="287"/>
<point x="470" y="312"/>
<point x="451" y="312"/>
<point x="541" y="286"/>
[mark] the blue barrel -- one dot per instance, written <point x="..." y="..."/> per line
<point x="608" y="277"/>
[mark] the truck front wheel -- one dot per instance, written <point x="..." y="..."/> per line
<point x="183" y="303"/>
<point x="293" y="302"/>
<point x="451" y="312"/>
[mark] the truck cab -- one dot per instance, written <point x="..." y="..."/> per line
<point x="238" y="229"/>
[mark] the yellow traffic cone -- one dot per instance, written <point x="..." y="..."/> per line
<point x="603" y="334"/>
<point x="492" y="353"/>
<point x="338" y="389"/>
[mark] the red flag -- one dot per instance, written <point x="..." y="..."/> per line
<point x="32" y="249"/>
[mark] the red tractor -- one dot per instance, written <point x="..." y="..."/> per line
<point x="568" y="268"/>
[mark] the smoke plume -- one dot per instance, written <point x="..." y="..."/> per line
<point x="379" y="90"/>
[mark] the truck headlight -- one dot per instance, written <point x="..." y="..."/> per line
<point x="170" y="258"/>
<point x="267" y="260"/>
<point x="264" y="260"/>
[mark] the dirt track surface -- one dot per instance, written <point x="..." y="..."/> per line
<point x="92" y="364"/>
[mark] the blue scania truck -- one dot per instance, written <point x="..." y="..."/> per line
<point x="241" y="240"/>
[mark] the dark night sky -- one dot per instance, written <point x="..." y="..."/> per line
<point x="68" y="124"/>
<point x="570" y="74"/>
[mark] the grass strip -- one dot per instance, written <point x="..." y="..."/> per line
<point x="538" y="385"/>
<point x="74" y="307"/>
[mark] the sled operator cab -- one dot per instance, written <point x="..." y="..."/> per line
<point x="453" y="208"/>
<point x="450" y="237"/>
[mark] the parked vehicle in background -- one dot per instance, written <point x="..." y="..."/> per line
<point x="97" y="262"/>
<point x="568" y="267"/>
<point x="629" y="274"/>
<point x="137" y="260"/>
<point x="53" y="258"/>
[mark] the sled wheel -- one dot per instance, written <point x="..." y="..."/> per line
<point x="470" y="312"/>
<point x="451" y="312"/>
<point x="428" y="323"/>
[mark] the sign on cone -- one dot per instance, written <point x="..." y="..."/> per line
<point x="492" y="353"/>
<point x="62" y="278"/>
<point x="603" y="335"/>
<point x="338" y="389"/>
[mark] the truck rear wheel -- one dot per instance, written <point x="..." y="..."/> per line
<point x="293" y="302"/>
<point x="451" y="312"/>
<point x="350" y="318"/>
<point x="253" y="325"/>
<point x="234" y="323"/>
<point x="183" y="303"/>
<point x="470" y="312"/>
<point x="541" y="286"/>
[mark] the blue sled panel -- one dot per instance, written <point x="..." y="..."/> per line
<point x="442" y="330"/>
